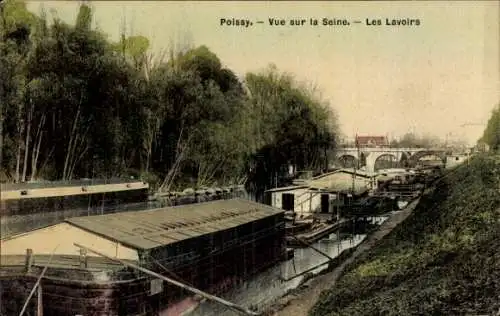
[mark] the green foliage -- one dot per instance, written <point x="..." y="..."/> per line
<point x="78" y="105"/>
<point x="292" y="125"/>
<point x="442" y="259"/>
<point x="84" y="18"/>
<point x="16" y="14"/>
<point x="412" y="140"/>
<point x="134" y="46"/>
<point x="491" y="134"/>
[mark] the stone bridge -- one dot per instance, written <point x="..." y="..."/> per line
<point x="368" y="156"/>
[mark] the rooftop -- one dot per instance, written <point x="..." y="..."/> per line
<point x="395" y="171"/>
<point x="288" y="188"/>
<point x="159" y="227"/>
<point x="358" y="172"/>
<point x="335" y="182"/>
<point x="371" y="140"/>
<point x="341" y="185"/>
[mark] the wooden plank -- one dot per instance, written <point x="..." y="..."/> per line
<point x="39" y="305"/>
<point x="313" y="248"/>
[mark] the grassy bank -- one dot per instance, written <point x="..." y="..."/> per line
<point x="443" y="259"/>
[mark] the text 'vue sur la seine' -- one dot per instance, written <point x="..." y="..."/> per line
<point x="276" y="22"/>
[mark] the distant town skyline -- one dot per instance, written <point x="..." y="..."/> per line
<point x="437" y="78"/>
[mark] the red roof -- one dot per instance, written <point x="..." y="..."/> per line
<point x="371" y="141"/>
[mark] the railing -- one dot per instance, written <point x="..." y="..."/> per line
<point x="388" y="148"/>
<point x="69" y="183"/>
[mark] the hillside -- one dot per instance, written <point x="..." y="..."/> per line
<point x="443" y="259"/>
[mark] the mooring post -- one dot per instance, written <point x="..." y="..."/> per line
<point x="29" y="260"/>
<point x="83" y="258"/>
<point x="310" y="203"/>
<point x="353" y="228"/>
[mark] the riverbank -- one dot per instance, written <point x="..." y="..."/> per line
<point x="442" y="260"/>
<point x="301" y="300"/>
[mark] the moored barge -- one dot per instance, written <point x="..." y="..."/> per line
<point x="207" y="246"/>
<point x="28" y="206"/>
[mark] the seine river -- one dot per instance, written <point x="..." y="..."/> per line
<point x="266" y="287"/>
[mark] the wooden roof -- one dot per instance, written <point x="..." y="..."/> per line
<point x="159" y="227"/>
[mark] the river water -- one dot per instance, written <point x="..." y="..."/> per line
<point x="265" y="288"/>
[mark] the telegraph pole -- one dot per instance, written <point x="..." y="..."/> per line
<point x="356" y="143"/>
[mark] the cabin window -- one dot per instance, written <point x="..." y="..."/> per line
<point x="288" y="201"/>
<point x="325" y="203"/>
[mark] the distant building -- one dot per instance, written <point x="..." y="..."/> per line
<point x="454" y="160"/>
<point x="372" y="141"/>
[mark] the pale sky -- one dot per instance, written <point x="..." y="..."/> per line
<point x="383" y="80"/>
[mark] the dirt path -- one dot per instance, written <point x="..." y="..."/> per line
<point x="301" y="302"/>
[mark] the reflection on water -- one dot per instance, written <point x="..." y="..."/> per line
<point x="265" y="288"/>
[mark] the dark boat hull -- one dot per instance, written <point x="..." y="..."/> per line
<point x="66" y="293"/>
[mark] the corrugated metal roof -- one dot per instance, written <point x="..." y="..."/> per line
<point x="159" y="227"/>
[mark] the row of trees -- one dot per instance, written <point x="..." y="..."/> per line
<point x="416" y="141"/>
<point x="430" y="141"/>
<point x="413" y="140"/>
<point x="491" y="134"/>
<point x="74" y="104"/>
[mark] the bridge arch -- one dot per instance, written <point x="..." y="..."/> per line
<point x="347" y="160"/>
<point x="385" y="161"/>
<point x="417" y="156"/>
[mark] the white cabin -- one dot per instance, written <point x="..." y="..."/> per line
<point x="317" y="195"/>
<point x="299" y="199"/>
<point x="454" y="160"/>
